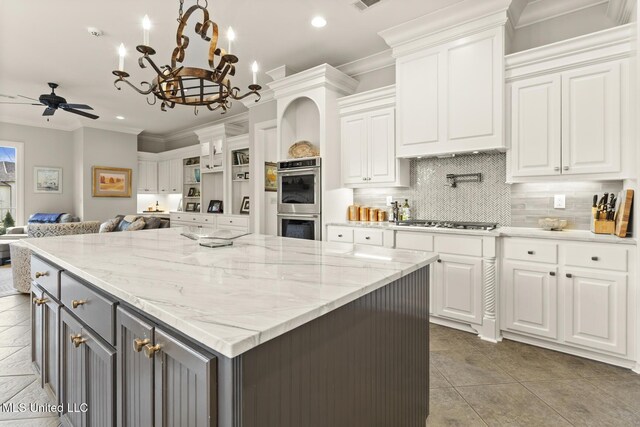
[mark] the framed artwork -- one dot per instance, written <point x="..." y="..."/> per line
<point x="244" y="207"/>
<point x="239" y="176"/>
<point x="215" y="206"/>
<point x="246" y="175"/>
<point x="270" y="176"/>
<point x="47" y="179"/>
<point x="111" y="182"/>
<point x="191" y="206"/>
<point x="197" y="208"/>
<point x="192" y="192"/>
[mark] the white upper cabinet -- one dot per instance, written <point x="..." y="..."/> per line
<point x="591" y="123"/>
<point x="568" y="109"/>
<point x="147" y="176"/>
<point x="164" y="172"/>
<point x="535" y="126"/>
<point x="368" y="145"/>
<point x="450" y="97"/>
<point x="175" y="175"/>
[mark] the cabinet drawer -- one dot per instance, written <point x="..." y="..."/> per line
<point x="93" y="309"/>
<point x="604" y="257"/>
<point x="48" y="276"/>
<point x="207" y="220"/>
<point x="368" y="237"/>
<point x="458" y="245"/>
<point x="184" y="217"/>
<point x="340" y="234"/>
<point x="233" y="220"/>
<point x="531" y="250"/>
<point x="414" y="240"/>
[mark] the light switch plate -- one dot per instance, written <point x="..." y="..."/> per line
<point x="559" y="201"/>
<point x="389" y="200"/>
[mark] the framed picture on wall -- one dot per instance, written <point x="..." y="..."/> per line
<point x="190" y="207"/>
<point x="47" y="179"/>
<point x="215" y="206"/>
<point x="192" y="192"/>
<point x="111" y="182"/>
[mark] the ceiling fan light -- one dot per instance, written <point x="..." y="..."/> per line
<point x="318" y="22"/>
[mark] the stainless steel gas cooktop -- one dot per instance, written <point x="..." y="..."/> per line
<point x="449" y="224"/>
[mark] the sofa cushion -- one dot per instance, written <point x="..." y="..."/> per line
<point x="109" y="225"/>
<point x="126" y="222"/>
<point x="152" y="222"/>
<point x="138" y="224"/>
<point x="64" y="218"/>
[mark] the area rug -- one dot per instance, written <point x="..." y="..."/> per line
<point x="6" y="281"/>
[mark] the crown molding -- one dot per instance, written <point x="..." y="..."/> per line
<point x="320" y="76"/>
<point x="596" y="47"/>
<point x="368" y="64"/>
<point x="219" y="130"/>
<point x="621" y="11"/>
<point x="265" y="97"/>
<point x="457" y="20"/>
<point x="112" y="128"/>
<point x="542" y="10"/>
<point x="280" y="72"/>
<point x="236" y="119"/>
<point x="369" y="100"/>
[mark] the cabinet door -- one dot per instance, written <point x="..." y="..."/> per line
<point x="185" y="390"/>
<point x="164" y="172"/>
<point x="354" y="149"/>
<point x="381" y="147"/>
<point x="595" y="312"/>
<point x="152" y="177"/>
<point x="535" y="126"/>
<point x="591" y="124"/>
<point x="50" y="339"/>
<point x="135" y="371"/>
<point x="418" y="101"/>
<point x="100" y="368"/>
<point x="36" y="327"/>
<point x="474" y="94"/>
<point x="458" y="287"/>
<point x="142" y="176"/>
<point x="531" y="298"/>
<point x="72" y="372"/>
<point x="175" y="176"/>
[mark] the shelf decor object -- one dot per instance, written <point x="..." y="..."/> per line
<point x="244" y="207"/>
<point x="270" y="176"/>
<point x="303" y="149"/>
<point x="179" y="84"/>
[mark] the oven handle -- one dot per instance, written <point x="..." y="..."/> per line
<point x="296" y="171"/>
<point x="298" y="216"/>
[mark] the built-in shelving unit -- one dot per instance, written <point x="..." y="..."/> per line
<point x="240" y="179"/>
<point x="192" y="177"/>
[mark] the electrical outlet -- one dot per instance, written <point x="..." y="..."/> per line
<point x="558" y="201"/>
<point x="389" y="200"/>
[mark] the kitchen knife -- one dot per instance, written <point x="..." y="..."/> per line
<point x="595" y="201"/>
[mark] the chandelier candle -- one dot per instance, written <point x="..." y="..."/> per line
<point x="179" y="83"/>
<point x="146" y="26"/>
<point x="121" y="53"/>
<point x="254" y="69"/>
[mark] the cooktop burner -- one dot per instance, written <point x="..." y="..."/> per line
<point x="449" y="224"/>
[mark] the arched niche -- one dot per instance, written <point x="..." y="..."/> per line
<point x="300" y="122"/>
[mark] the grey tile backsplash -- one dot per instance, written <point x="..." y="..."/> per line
<point x="491" y="200"/>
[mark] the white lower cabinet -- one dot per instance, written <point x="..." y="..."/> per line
<point x="580" y="301"/>
<point x="531" y="298"/>
<point x="458" y="288"/>
<point x="361" y="235"/>
<point x="212" y="221"/>
<point x="595" y="311"/>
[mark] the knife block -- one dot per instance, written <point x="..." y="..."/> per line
<point x="603" y="226"/>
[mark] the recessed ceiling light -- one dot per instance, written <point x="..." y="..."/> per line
<point x="120" y="117"/>
<point x="318" y="22"/>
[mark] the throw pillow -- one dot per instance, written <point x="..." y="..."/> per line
<point x="109" y="225"/>
<point x="138" y="224"/>
<point x="152" y="222"/>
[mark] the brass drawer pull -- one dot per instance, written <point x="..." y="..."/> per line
<point x="150" y="350"/>
<point x="77" y="302"/>
<point x="40" y="274"/>
<point x="139" y="343"/>
<point x="77" y="340"/>
<point x="39" y="301"/>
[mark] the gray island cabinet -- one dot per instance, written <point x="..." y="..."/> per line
<point x="151" y="329"/>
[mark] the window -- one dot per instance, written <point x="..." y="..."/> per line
<point x="11" y="181"/>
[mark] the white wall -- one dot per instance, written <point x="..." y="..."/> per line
<point x="44" y="147"/>
<point x="107" y="148"/>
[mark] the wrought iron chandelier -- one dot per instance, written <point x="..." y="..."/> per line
<point x="178" y="84"/>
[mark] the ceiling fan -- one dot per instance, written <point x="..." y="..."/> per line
<point x="53" y="102"/>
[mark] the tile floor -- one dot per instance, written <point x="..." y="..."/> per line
<point x="473" y="383"/>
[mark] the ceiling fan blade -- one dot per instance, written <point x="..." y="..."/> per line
<point x="48" y="111"/>
<point x="81" y="113"/>
<point x="19" y="103"/>
<point x="26" y="97"/>
<point x="76" y="106"/>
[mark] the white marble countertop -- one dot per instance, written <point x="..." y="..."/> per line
<point x="536" y="233"/>
<point x="234" y="298"/>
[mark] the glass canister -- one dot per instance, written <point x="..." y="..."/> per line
<point x="373" y="214"/>
<point x="364" y="213"/>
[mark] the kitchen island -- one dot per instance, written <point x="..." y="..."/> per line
<point x="150" y="328"/>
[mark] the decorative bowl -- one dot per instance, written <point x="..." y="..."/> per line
<point x="550" y="224"/>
